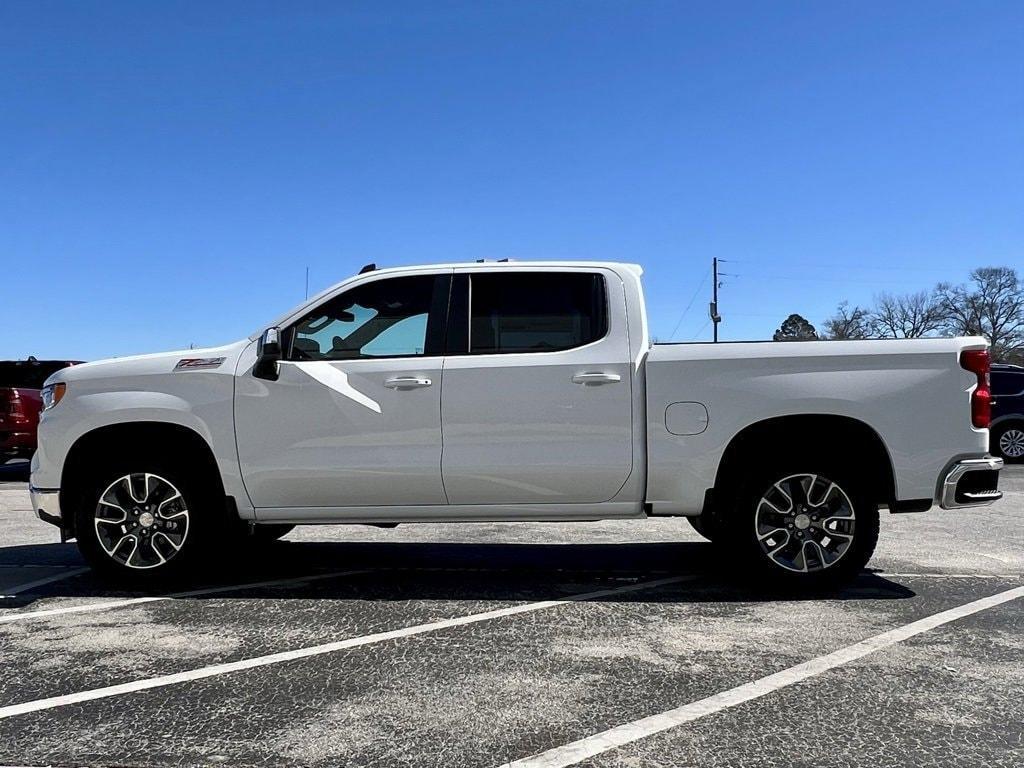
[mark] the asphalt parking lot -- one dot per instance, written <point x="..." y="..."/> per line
<point x="603" y="644"/>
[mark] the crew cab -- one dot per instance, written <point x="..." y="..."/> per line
<point x="515" y="392"/>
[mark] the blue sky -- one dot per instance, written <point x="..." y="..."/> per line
<point x="170" y="170"/>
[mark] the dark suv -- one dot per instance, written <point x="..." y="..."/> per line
<point x="1007" y="438"/>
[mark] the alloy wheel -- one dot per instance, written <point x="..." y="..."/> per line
<point x="805" y="523"/>
<point x="141" y="520"/>
<point x="1011" y="443"/>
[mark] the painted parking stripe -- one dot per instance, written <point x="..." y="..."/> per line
<point x="318" y="650"/>
<point x="127" y="602"/>
<point x="583" y="749"/>
<point x="11" y="591"/>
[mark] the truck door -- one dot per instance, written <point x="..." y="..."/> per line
<point x="355" y="417"/>
<point x="537" y="400"/>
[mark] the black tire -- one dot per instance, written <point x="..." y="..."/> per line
<point x="705" y="525"/>
<point x="198" y="494"/>
<point x="848" y="546"/>
<point x="269" y="532"/>
<point x="1004" y="441"/>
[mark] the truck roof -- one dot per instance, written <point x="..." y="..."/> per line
<point x="478" y="265"/>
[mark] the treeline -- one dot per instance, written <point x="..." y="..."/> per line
<point x="990" y="304"/>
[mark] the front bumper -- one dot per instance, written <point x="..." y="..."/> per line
<point x="46" y="505"/>
<point x="971" y="483"/>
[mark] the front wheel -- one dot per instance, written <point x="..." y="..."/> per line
<point x="141" y="520"/>
<point x="805" y="526"/>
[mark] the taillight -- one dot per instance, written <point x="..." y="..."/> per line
<point x="976" y="361"/>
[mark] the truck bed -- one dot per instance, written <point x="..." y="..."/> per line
<point x="912" y="393"/>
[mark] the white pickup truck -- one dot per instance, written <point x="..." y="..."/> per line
<point x="510" y="391"/>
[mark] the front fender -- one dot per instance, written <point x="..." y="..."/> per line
<point x="204" y="407"/>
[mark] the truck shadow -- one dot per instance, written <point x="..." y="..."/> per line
<point x="403" y="571"/>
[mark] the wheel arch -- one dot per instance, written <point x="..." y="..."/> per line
<point x="96" y="444"/>
<point x="859" y="440"/>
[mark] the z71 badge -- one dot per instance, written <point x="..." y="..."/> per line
<point x="198" y="363"/>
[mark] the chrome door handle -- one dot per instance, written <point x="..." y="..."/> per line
<point x="406" y="382"/>
<point x="596" y="378"/>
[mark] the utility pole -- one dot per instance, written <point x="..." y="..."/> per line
<point x="713" y="309"/>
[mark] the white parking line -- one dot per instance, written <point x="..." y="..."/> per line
<point x="583" y="749"/>
<point x="10" y="592"/>
<point x="317" y="650"/>
<point x="90" y="607"/>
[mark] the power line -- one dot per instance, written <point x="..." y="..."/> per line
<point x="690" y="304"/>
<point x="812" y="279"/>
<point x="831" y="265"/>
<point x="698" y="333"/>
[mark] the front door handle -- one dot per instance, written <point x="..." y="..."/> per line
<point x="406" y="382"/>
<point x="596" y="378"/>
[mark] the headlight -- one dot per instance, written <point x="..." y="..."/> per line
<point x="52" y="394"/>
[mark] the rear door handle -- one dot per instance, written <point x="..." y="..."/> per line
<point x="596" y="378"/>
<point x="407" y="382"/>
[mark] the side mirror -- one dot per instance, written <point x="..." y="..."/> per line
<point x="268" y="355"/>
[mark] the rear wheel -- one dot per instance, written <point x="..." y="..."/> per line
<point x="1008" y="441"/>
<point x="146" y="518"/>
<point x="804" y="524"/>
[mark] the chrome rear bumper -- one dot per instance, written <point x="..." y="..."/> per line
<point x="966" y="486"/>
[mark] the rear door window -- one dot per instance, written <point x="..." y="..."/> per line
<point x="519" y="312"/>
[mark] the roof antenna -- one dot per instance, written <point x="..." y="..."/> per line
<point x="368" y="268"/>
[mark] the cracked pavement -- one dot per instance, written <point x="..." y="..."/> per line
<point x="512" y="686"/>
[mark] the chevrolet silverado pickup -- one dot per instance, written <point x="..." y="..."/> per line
<point x="513" y="392"/>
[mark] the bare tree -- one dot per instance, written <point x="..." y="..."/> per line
<point x="908" y="316"/>
<point x="991" y="306"/>
<point x="849" y="322"/>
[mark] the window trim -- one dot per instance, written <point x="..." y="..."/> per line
<point x="464" y="314"/>
<point x="437" y="320"/>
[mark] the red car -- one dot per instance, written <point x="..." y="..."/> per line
<point x="20" y="403"/>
